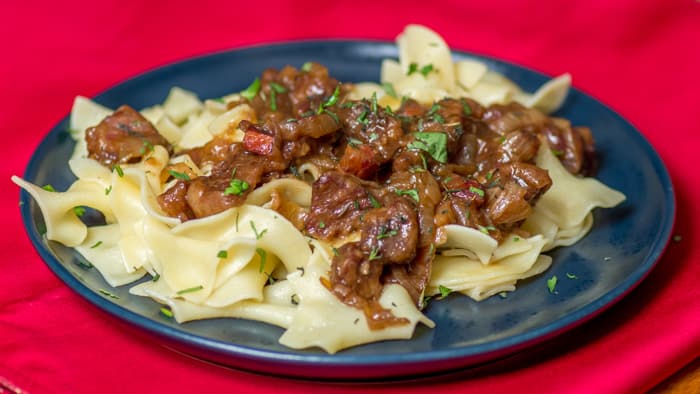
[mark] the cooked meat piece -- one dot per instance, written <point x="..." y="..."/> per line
<point x="122" y="137"/>
<point x="355" y="280"/>
<point x="391" y="231"/>
<point x="413" y="277"/>
<point x="338" y="201"/>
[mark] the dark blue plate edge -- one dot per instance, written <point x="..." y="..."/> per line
<point x="337" y="366"/>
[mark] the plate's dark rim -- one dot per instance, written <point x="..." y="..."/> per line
<point x="485" y="350"/>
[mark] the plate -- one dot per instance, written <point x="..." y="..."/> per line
<point x="622" y="248"/>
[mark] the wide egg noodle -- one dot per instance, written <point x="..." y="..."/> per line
<point x="57" y="208"/>
<point x="460" y="273"/>
<point x="272" y="232"/>
<point x="468" y="242"/>
<point x="322" y="320"/>
<point x="100" y="248"/>
<point x="567" y="209"/>
<point x="184" y="310"/>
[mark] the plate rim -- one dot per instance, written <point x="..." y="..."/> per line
<point x="482" y="351"/>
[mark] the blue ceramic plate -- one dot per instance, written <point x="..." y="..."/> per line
<point x="619" y="252"/>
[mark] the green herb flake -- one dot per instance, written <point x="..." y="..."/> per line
<point x="294" y="299"/>
<point x="571" y="276"/>
<point x="425" y="70"/>
<point x="278" y="88"/>
<point x="306" y="66"/>
<point x="48" y="188"/>
<point x="363" y="117"/>
<point x="96" y="244"/>
<point x="336" y="252"/>
<point x="503" y="294"/>
<point x="373" y="102"/>
<point x="412" y="68"/>
<point x="386" y="234"/>
<point x="119" y="170"/>
<point x="434" y="143"/>
<point x="222" y="254"/>
<point x="331" y="100"/>
<point x="322" y="225"/>
<point x="79" y="211"/>
<point x="252" y="90"/>
<point x="108" y="190"/>
<point x="552" y="284"/>
<point x="389" y="89"/>
<point x="466" y="108"/>
<point x="557" y="152"/>
<point x="166" y="312"/>
<point x="444" y="291"/>
<point x="258" y="235"/>
<point x="190" y="290"/>
<point x="147" y="147"/>
<point x="476" y="190"/>
<point x="236" y="187"/>
<point x="374" y="254"/>
<point x="413" y="193"/>
<point x="108" y="294"/>
<point x="373" y="201"/>
<point x="273" y="100"/>
<point x="354" y="142"/>
<point x="373" y="137"/>
<point x="179" y="175"/>
<point x="156" y="277"/>
<point x="263" y="258"/>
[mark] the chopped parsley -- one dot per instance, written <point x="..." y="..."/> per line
<point x="258" y="235"/>
<point x="413" y="193"/>
<point x="252" y="90"/>
<point x="386" y="234"/>
<point x="552" y="284"/>
<point x="179" y="175"/>
<point x="108" y="190"/>
<point x="166" y="312"/>
<point x="444" y="291"/>
<point x="425" y="70"/>
<point x="222" y="254"/>
<point x="306" y="66"/>
<point x="435" y="143"/>
<point x="330" y="101"/>
<point x="373" y="201"/>
<point x="236" y="187"/>
<point x="263" y="257"/>
<point x="571" y="276"/>
<point x="119" y="170"/>
<point x="476" y="190"/>
<point x="295" y="299"/>
<point x="96" y="244"/>
<point x="277" y="87"/>
<point x="389" y="89"/>
<point x="48" y="188"/>
<point x="79" y="211"/>
<point x="190" y="290"/>
<point x="108" y="294"/>
<point x="374" y="254"/>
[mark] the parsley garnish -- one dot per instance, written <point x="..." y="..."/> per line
<point x="552" y="283"/>
<point x="434" y="143"/>
<point x="252" y="90"/>
<point x="263" y="257"/>
<point x="306" y="66"/>
<point x="179" y="175"/>
<point x="222" y="254"/>
<point x="389" y="89"/>
<point x="330" y="101"/>
<point x="79" y="211"/>
<point x="413" y="193"/>
<point x="147" y="147"/>
<point x="425" y="70"/>
<point x="48" y="188"/>
<point x="108" y="190"/>
<point x="444" y="291"/>
<point x="386" y="234"/>
<point x="108" y="294"/>
<point x="373" y="201"/>
<point x="166" y="312"/>
<point x="476" y="190"/>
<point x="119" y="170"/>
<point x="255" y="230"/>
<point x="277" y="87"/>
<point x="374" y="254"/>
<point x="571" y="276"/>
<point x="237" y="187"/>
<point x="190" y="290"/>
<point x="96" y="244"/>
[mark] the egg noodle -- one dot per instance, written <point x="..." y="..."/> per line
<point x="221" y="265"/>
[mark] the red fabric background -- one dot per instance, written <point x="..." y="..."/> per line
<point x="639" y="57"/>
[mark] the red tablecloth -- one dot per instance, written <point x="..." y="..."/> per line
<point x="640" y="57"/>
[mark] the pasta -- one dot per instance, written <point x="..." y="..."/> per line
<point x="257" y="259"/>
